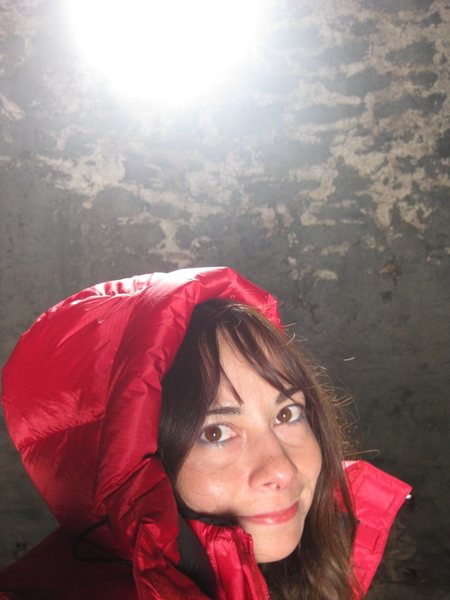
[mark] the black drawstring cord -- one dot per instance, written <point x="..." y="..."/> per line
<point x="82" y="538"/>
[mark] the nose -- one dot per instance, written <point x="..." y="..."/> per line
<point x="271" y="464"/>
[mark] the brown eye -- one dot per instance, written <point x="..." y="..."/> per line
<point x="212" y="434"/>
<point x="285" y="415"/>
<point x="216" y="434"/>
<point x="291" y="414"/>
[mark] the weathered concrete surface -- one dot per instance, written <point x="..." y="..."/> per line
<point x="321" y="171"/>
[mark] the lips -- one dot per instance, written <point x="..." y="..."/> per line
<point x="273" y="518"/>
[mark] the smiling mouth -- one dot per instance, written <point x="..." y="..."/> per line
<point x="274" y="518"/>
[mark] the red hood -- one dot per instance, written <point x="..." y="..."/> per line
<point x="82" y="392"/>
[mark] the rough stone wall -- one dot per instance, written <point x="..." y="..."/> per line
<point x="320" y="172"/>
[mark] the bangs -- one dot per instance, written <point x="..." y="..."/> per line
<point x="269" y="352"/>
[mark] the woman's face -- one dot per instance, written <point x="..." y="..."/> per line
<point x="258" y="461"/>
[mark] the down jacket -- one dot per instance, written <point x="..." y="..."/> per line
<point x="81" y="395"/>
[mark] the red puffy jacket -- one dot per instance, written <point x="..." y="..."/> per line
<point x="81" y="394"/>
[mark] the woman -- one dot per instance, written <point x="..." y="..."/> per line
<point x="230" y="488"/>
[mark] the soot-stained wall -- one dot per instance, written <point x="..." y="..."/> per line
<point x="321" y="172"/>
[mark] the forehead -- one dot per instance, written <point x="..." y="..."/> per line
<point x="240" y="382"/>
<point x="234" y="365"/>
<point x="235" y="375"/>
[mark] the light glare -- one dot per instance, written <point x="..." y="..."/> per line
<point x="166" y="50"/>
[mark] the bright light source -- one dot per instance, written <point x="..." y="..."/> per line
<point x="165" y="50"/>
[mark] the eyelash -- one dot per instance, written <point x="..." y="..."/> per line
<point x="301" y="417"/>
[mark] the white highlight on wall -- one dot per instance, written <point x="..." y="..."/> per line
<point x="165" y="50"/>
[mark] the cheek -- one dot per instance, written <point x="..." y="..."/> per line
<point x="316" y="460"/>
<point x="311" y="458"/>
<point x="204" y="490"/>
<point x="314" y="465"/>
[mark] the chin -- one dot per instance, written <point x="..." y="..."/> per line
<point x="276" y="547"/>
<point x="273" y="556"/>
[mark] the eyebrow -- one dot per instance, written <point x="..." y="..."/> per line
<point x="236" y="410"/>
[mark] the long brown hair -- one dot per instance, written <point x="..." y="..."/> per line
<point x="319" y="568"/>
